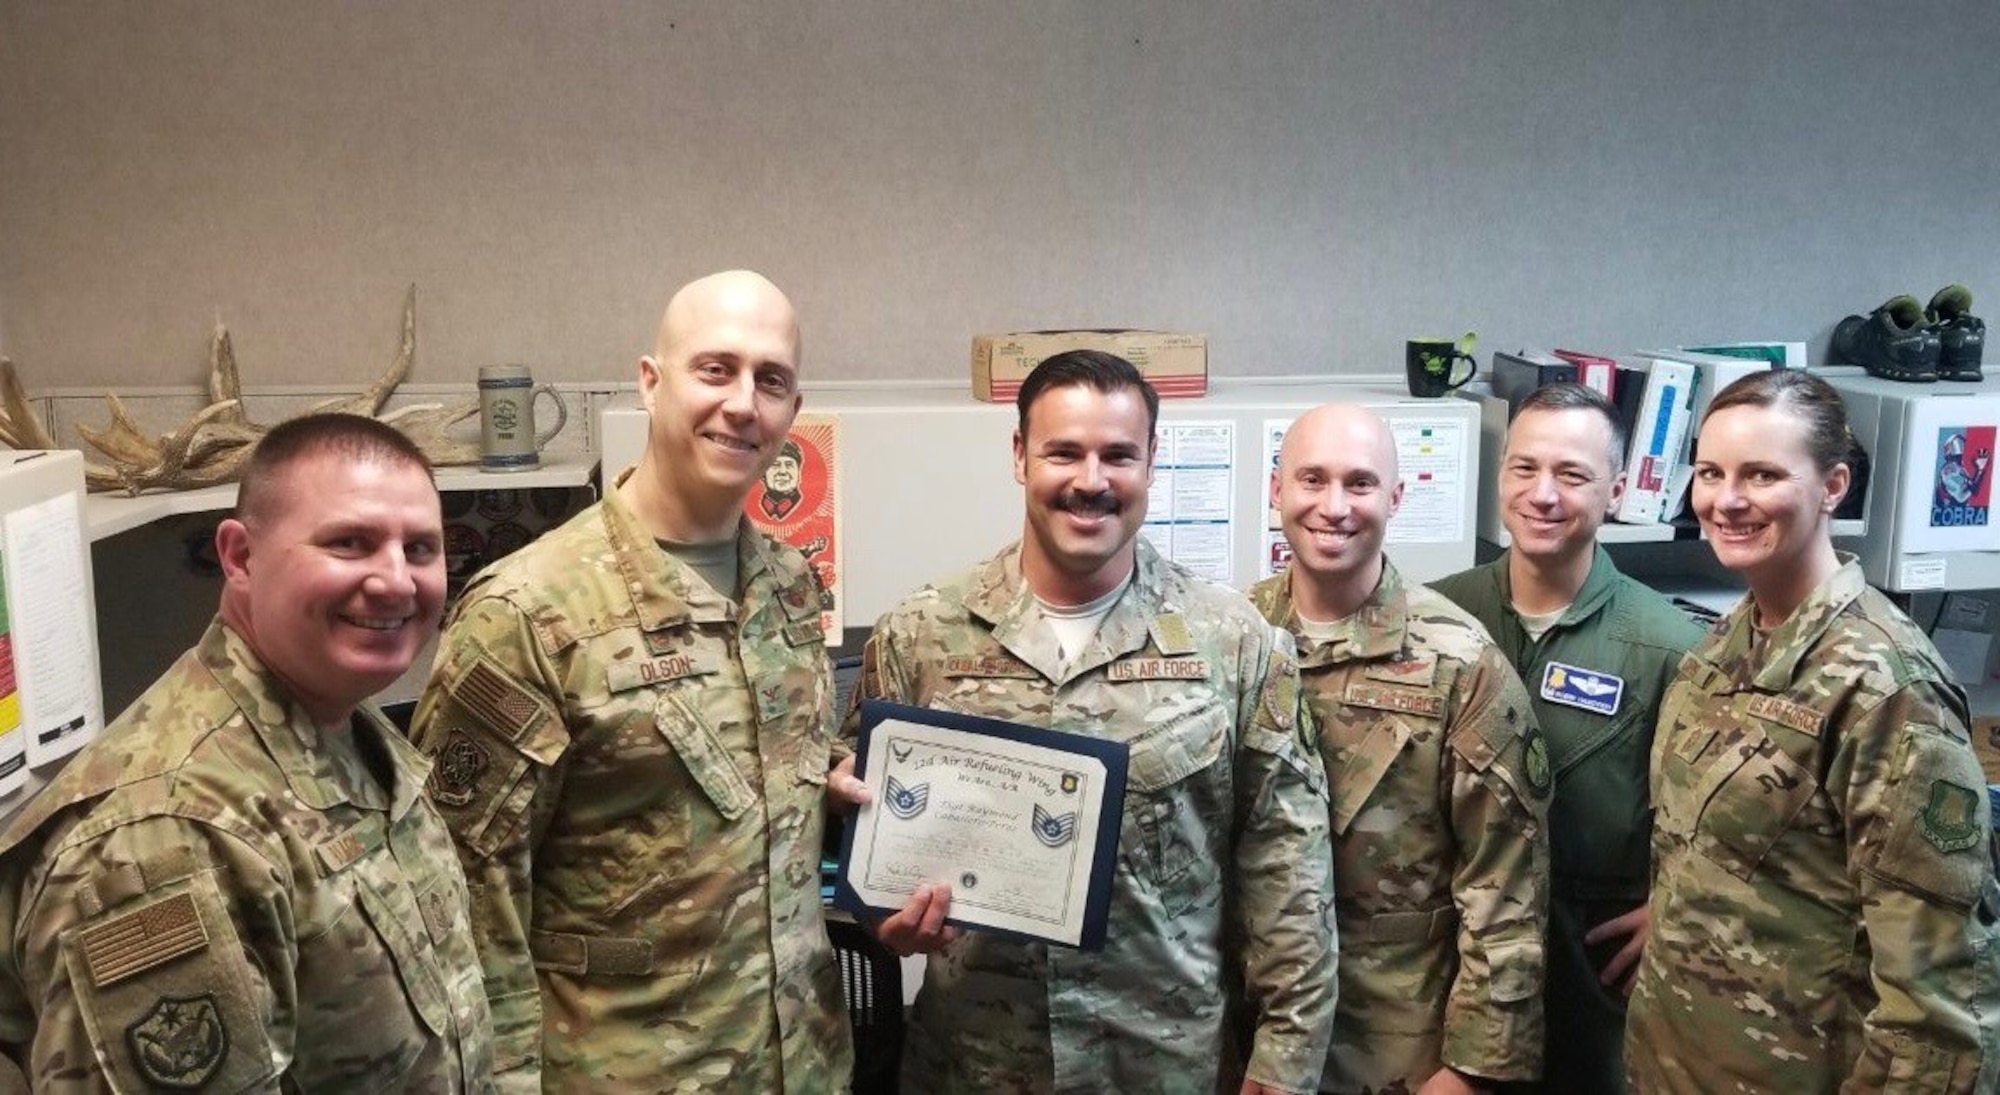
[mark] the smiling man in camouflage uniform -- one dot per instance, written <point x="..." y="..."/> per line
<point x="239" y="886"/>
<point x="1221" y="892"/>
<point x="631" y="719"/>
<point x="1439" y="783"/>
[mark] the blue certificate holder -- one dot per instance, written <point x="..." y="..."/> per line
<point x="1022" y="822"/>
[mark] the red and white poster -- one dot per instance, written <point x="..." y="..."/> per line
<point x="798" y="501"/>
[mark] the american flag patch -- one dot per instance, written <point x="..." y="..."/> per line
<point x="497" y="702"/>
<point x="142" y="939"/>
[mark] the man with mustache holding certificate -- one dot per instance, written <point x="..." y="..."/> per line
<point x="1220" y="897"/>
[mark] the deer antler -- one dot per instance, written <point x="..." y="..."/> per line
<point x="426" y="423"/>
<point x="210" y="448"/>
<point x="19" y="426"/>
<point x="224" y="385"/>
<point x="369" y="403"/>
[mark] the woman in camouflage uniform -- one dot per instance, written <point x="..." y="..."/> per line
<point x="1824" y="898"/>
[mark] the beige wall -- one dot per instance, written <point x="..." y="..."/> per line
<point x="1309" y="182"/>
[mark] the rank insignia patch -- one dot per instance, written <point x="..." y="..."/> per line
<point x="455" y="775"/>
<point x="1950" y="821"/>
<point x="1051" y="830"/>
<point x="180" y="1042"/>
<point x="906" y="802"/>
<point x="1172" y="634"/>
<point x="1575" y="686"/>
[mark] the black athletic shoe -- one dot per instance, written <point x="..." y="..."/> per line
<point x="1961" y="335"/>
<point x="1892" y="342"/>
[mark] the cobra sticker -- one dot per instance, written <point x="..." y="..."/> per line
<point x="1575" y="686"/>
<point x="1962" y="492"/>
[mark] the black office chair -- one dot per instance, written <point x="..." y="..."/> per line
<point x="871" y="980"/>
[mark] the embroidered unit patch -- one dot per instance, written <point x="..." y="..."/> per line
<point x="1950" y="821"/>
<point x="180" y="1041"/>
<point x="455" y="775"/>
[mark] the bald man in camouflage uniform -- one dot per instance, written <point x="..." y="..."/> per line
<point x="239" y="886"/>
<point x="1220" y="896"/>
<point x="632" y="719"/>
<point x="1824" y="900"/>
<point x="1439" y="783"/>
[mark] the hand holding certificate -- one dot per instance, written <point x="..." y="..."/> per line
<point x="1021" y="822"/>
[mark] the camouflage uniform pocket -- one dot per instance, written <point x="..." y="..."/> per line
<point x="1935" y="807"/>
<point x="394" y="914"/>
<point x="1749" y="797"/>
<point x="1170" y="830"/>
<point x="482" y="788"/>
<point x="706" y="758"/>
<point x="164" y="991"/>
<point x="1362" y="765"/>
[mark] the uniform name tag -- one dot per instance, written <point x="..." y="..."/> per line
<point x="1385" y="698"/>
<point x="1158" y="669"/>
<point x="965" y="665"/>
<point x="644" y="674"/>
<point x="804" y="633"/>
<point x="338" y="853"/>
<point x="1587" y="689"/>
<point x="1797" y="716"/>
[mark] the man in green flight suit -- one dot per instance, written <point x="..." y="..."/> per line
<point x="1596" y="649"/>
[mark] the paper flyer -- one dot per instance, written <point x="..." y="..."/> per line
<point x="50" y="625"/>
<point x="1188" y="510"/>
<point x="798" y="501"/>
<point x="13" y="743"/>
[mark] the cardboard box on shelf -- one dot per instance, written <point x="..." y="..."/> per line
<point x="1175" y="363"/>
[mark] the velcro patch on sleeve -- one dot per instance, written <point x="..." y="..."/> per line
<point x="142" y="939"/>
<point x="498" y="701"/>
<point x="1281" y="695"/>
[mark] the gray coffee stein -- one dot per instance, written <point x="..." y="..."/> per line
<point x="507" y="438"/>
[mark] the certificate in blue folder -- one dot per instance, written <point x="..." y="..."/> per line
<point x="1020" y="821"/>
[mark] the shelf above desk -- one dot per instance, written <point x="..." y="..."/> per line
<point x="107" y="515"/>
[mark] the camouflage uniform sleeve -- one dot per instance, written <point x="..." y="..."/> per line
<point x="159" y="955"/>
<point x="1499" y="775"/>
<point x="882" y="678"/>
<point x="1283" y="880"/>
<point x="491" y="723"/>
<point x="1920" y="854"/>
